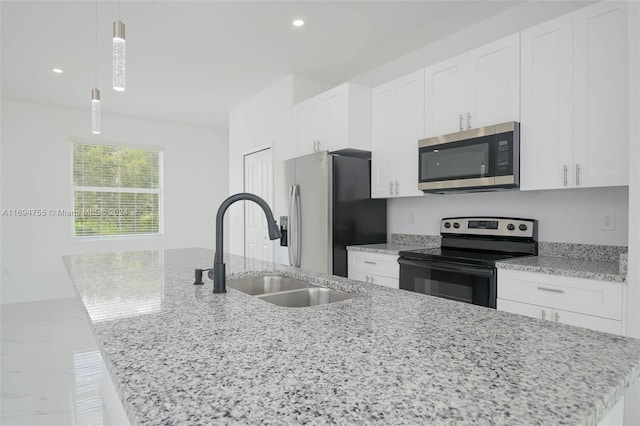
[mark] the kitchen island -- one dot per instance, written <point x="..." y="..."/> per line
<point x="178" y="354"/>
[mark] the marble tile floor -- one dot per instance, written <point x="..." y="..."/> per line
<point x="51" y="369"/>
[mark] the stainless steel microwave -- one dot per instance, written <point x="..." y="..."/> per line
<point x="483" y="159"/>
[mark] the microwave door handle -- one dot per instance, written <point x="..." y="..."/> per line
<point x="447" y="267"/>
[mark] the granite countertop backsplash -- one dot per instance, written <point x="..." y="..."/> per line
<point x="398" y="243"/>
<point x="599" y="262"/>
<point x="178" y="354"/>
<point x="606" y="263"/>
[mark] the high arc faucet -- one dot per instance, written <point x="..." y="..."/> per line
<point x="218" y="273"/>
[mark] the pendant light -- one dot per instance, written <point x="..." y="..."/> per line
<point x="95" y="93"/>
<point x="118" y="54"/>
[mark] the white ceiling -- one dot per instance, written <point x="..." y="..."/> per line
<point x="191" y="61"/>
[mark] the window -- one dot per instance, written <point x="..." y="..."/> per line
<point x="117" y="190"/>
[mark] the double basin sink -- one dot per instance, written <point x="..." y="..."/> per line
<point x="286" y="291"/>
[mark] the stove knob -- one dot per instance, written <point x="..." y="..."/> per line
<point x="456" y="225"/>
<point x="522" y="227"/>
<point x="511" y="227"/>
<point x="447" y="225"/>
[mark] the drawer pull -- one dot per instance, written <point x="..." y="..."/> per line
<point x="553" y="290"/>
<point x="557" y="317"/>
<point x="368" y="262"/>
<point x="544" y="314"/>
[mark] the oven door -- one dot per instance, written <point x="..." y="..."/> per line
<point x="462" y="282"/>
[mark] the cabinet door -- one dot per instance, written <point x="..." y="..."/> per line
<point x="493" y="85"/>
<point x="384" y="129"/>
<point x="601" y="103"/>
<point x="410" y="107"/>
<point x="357" y="275"/>
<point x="305" y="126"/>
<point x="587" y="321"/>
<point x="333" y="113"/>
<point x="445" y="97"/>
<point x="546" y="130"/>
<point x="526" y="309"/>
<point x="384" y="281"/>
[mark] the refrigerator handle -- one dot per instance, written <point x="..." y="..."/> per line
<point x="294" y="226"/>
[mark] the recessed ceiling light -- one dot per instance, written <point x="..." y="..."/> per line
<point x="57" y="70"/>
<point x="298" y="23"/>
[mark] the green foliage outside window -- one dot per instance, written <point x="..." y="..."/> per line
<point x="116" y="190"/>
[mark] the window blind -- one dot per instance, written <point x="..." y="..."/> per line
<point x="116" y="190"/>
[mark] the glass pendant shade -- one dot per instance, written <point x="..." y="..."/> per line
<point x="95" y="111"/>
<point x="118" y="56"/>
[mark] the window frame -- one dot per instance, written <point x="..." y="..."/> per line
<point x="160" y="190"/>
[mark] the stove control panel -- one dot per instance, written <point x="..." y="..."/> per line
<point x="494" y="226"/>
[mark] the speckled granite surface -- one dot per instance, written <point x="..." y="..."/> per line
<point x="179" y="354"/>
<point x="579" y="268"/>
<point x="399" y="242"/>
<point x="624" y="263"/>
<point x="382" y="248"/>
<point x="423" y="241"/>
<point x="581" y="251"/>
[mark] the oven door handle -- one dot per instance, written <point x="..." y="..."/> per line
<point x="448" y="267"/>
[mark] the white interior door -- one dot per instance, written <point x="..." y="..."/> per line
<point x="258" y="180"/>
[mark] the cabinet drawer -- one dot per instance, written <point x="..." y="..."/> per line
<point x="564" y="317"/>
<point x="591" y="297"/>
<point x="383" y="265"/>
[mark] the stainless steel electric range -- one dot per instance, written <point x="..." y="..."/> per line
<point x="463" y="268"/>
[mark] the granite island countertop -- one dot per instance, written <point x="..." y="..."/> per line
<point x="178" y="354"/>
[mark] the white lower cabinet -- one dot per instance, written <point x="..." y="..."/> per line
<point x="374" y="268"/>
<point x="580" y="302"/>
<point x="592" y="304"/>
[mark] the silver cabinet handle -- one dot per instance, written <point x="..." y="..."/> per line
<point x="390" y="188"/>
<point x="577" y="174"/>
<point x="371" y="280"/>
<point x="460" y="122"/>
<point x="468" y="120"/>
<point x="553" y="290"/>
<point x="314" y="146"/>
<point x="366" y="278"/>
<point x="544" y="314"/>
<point x="566" y="175"/>
<point x="396" y="187"/>
<point x="369" y="262"/>
<point x="557" y="318"/>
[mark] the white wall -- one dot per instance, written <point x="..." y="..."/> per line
<point x="632" y="406"/>
<point x="570" y="216"/>
<point x="36" y="173"/>
<point x="509" y="22"/>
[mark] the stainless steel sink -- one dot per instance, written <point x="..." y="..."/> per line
<point x="306" y="297"/>
<point x="267" y="284"/>
<point x="287" y="291"/>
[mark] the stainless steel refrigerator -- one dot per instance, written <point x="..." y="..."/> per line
<point x="325" y="201"/>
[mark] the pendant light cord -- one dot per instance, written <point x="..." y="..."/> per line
<point x="96" y="47"/>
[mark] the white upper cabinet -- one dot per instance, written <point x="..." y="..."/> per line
<point x="476" y="89"/>
<point x="574" y="128"/>
<point x="546" y="128"/>
<point x="445" y="97"/>
<point x="336" y="119"/>
<point x="600" y="97"/>
<point x="493" y="76"/>
<point x="398" y="124"/>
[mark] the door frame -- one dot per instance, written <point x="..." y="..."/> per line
<point x="245" y="154"/>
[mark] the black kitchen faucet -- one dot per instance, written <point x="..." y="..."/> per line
<point x="218" y="273"/>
